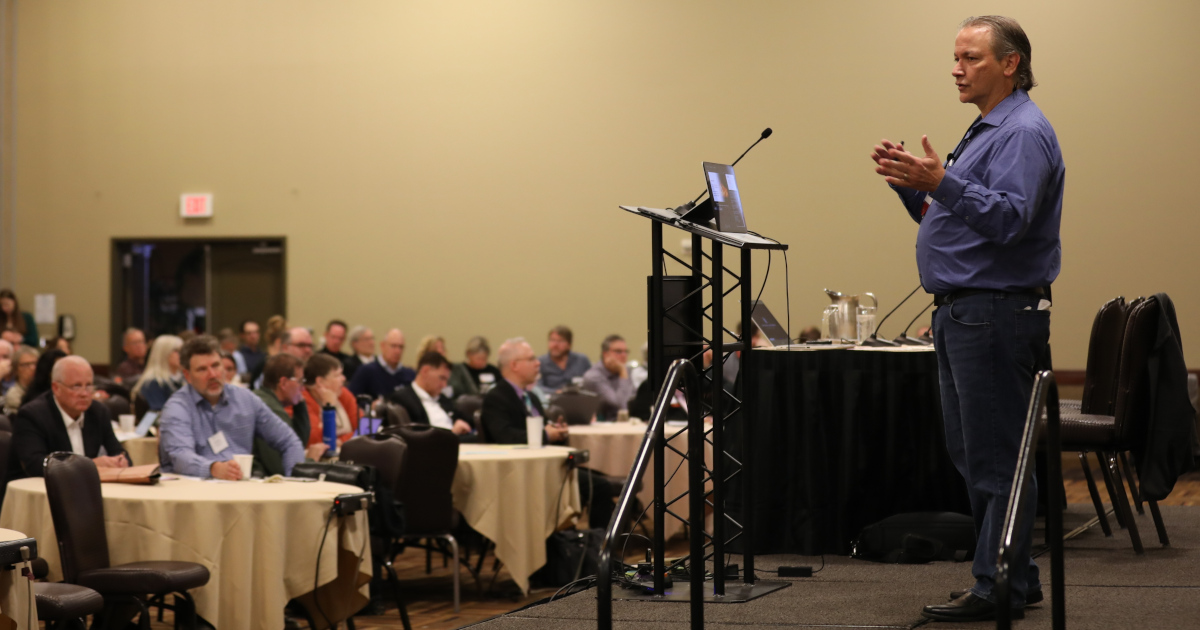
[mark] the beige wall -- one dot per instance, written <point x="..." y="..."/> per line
<point x="455" y="167"/>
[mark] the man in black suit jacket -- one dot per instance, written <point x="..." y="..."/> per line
<point x="509" y="402"/>
<point x="433" y="372"/>
<point x="505" y="408"/>
<point x="66" y="418"/>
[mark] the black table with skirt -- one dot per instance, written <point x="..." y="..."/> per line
<point x="844" y="438"/>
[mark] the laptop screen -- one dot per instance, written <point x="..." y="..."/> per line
<point x="769" y="326"/>
<point x="726" y="199"/>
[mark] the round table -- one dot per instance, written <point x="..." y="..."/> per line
<point x="260" y="541"/>
<point x="17" y="601"/>
<point x="613" y="447"/>
<point x="142" y="451"/>
<point x="516" y="496"/>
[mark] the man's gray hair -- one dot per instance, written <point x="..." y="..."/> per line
<point x="478" y="344"/>
<point x="357" y="332"/>
<point x="508" y="351"/>
<point x="1007" y="38"/>
<point x="60" y="366"/>
<point x="609" y="341"/>
<point x="130" y="331"/>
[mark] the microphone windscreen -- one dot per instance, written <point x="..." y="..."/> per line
<point x="766" y="132"/>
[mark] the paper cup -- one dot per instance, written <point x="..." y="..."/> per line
<point x="533" y="431"/>
<point x="127" y="422"/>
<point x="246" y="463"/>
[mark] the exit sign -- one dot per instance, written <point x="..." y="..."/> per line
<point x="195" y="205"/>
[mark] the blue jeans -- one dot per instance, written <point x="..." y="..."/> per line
<point x="989" y="346"/>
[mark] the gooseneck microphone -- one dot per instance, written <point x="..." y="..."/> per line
<point x="874" y="339"/>
<point x="766" y="133"/>
<point x="905" y="340"/>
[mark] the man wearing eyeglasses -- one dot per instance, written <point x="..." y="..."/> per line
<point x="610" y="378"/>
<point x="283" y="393"/>
<point x="66" y="418"/>
<point x="384" y="375"/>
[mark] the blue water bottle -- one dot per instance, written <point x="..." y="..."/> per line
<point x="329" y="427"/>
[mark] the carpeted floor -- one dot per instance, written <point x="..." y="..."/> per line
<point x="1108" y="586"/>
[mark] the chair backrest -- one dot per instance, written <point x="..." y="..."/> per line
<point x="118" y="406"/>
<point x="395" y="415"/>
<point x="5" y="424"/>
<point x="1133" y="387"/>
<point x="426" y="476"/>
<point x="1104" y="358"/>
<point x="383" y="451"/>
<point x="468" y="406"/>
<point x="73" y="489"/>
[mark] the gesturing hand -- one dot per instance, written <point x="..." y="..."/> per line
<point x="901" y="168"/>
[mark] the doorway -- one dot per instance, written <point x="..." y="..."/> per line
<point x="166" y="286"/>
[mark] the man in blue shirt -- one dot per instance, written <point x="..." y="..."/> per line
<point x="560" y="365"/>
<point x="207" y="422"/>
<point x="988" y="249"/>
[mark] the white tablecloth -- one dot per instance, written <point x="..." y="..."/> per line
<point x="517" y="497"/>
<point x="17" y="601"/>
<point x="260" y="541"/>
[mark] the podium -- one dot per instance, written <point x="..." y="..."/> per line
<point x="678" y="309"/>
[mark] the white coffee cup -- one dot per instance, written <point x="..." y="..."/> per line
<point x="246" y="463"/>
<point x="533" y="431"/>
<point x="127" y="422"/>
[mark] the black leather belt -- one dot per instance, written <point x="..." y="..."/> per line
<point x="949" y="298"/>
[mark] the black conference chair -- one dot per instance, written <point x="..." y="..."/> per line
<point x="77" y="508"/>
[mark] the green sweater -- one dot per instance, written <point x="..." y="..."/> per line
<point x="267" y="460"/>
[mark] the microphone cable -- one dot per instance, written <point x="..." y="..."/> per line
<point x="885" y="317"/>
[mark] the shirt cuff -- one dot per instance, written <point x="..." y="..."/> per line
<point x="950" y="190"/>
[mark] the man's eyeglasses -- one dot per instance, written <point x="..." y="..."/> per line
<point x="79" y="388"/>
<point x="303" y="345"/>
<point x="297" y="380"/>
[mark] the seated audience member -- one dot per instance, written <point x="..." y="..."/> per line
<point x="509" y="403"/>
<point x="207" y="422"/>
<point x="362" y="344"/>
<point x="163" y="375"/>
<point x="384" y="375"/>
<point x="228" y="341"/>
<point x="475" y="375"/>
<point x="431" y="343"/>
<point x="59" y="343"/>
<point x="66" y="419"/>
<point x="560" y="365"/>
<point x="424" y="400"/>
<point x="12" y="336"/>
<point x="811" y="333"/>
<point x="42" y="374"/>
<point x="134" y="345"/>
<point x="11" y="316"/>
<point x="325" y="385"/>
<point x="8" y="376"/>
<point x="229" y="373"/>
<point x="296" y="341"/>
<point x="24" y="367"/>
<point x="335" y="336"/>
<point x="273" y="335"/>
<point x="506" y="405"/>
<point x="248" y="356"/>
<point x="283" y="393"/>
<point x="610" y="379"/>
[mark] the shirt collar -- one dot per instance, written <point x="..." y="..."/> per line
<point x="1005" y="107"/>
<point x="388" y="367"/>
<point x="520" y="390"/>
<point x="195" y="398"/>
<point x="422" y="394"/>
<point x="66" y="418"/>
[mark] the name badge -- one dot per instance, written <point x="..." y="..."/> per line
<point x="218" y="442"/>
<point x="487" y="377"/>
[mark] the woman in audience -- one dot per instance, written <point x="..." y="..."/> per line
<point x="325" y="386"/>
<point x="58" y="343"/>
<point x="24" y="365"/>
<point x="11" y="316"/>
<point x="475" y="375"/>
<point x="230" y="376"/>
<point x="41" y="374"/>
<point x="163" y="374"/>
<point x="431" y="342"/>
<point x="273" y="333"/>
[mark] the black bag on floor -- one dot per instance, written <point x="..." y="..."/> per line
<point x="570" y="554"/>
<point x="917" y="538"/>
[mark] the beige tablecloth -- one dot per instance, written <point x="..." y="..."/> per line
<point x="614" y="447"/>
<point x="142" y="451"/>
<point x="259" y="540"/>
<point x="17" y="601"/>
<point x="517" y="497"/>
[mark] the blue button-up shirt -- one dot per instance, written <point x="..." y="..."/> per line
<point x="188" y="421"/>
<point x="993" y="221"/>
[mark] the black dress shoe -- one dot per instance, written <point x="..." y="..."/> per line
<point x="966" y="608"/>
<point x="1032" y="598"/>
